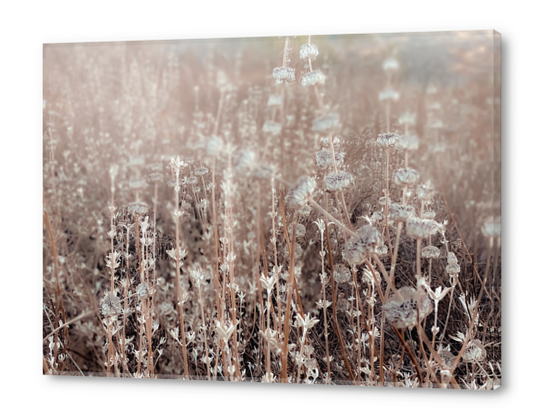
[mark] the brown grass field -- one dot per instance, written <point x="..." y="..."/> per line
<point x="311" y="209"/>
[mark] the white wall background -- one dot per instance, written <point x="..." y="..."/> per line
<point x="25" y="25"/>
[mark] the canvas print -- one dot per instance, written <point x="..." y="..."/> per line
<point x="304" y="209"/>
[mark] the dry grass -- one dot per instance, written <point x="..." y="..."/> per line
<point x="199" y="222"/>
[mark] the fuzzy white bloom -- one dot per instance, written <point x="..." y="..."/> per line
<point x="403" y="308"/>
<point x="312" y="78"/>
<point x="308" y="52"/>
<point x="298" y="196"/>
<point x="284" y="74"/>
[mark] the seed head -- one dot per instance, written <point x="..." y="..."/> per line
<point x="406" y="177"/>
<point x="284" y="74"/>
<point x="308" y="51"/>
<point x="299" y="195"/>
<point x="359" y="248"/>
<point x="418" y="228"/>
<point x="338" y="181"/>
<point x="307" y="323"/>
<point x="224" y="330"/>
<point x="341" y="273"/>
<point x="324" y="158"/>
<point x="143" y="291"/>
<point x="447" y="357"/>
<point x="111" y="305"/>
<point x="430" y="252"/>
<point x="453" y="268"/>
<point x="402" y="309"/>
<point x="312" y="78"/>
<point x="202" y="171"/>
<point x="429" y="214"/>
<point x="425" y="192"/>
<point x="475" y="352"/>
<point x="387" y="139"/>
<point x="300" y="230"/>
<point x="401" y="212"/>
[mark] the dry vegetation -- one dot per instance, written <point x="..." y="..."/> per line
<point x="300" y="209"/>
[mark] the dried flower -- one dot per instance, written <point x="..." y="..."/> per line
<point x="406" y="177"/>
<point x="224" y="330"/>
<point x="447" y="357"/>
<point x="324" y="141"/>
<point x="202" y="171"/>
<point x="300" y="230"/>
<point x="191" y="180"/>
<point x="155" y="177"/>
<point x="453" y="269"/>
<point x="418" y="228"/>
<point x="402" y="309"/>
<point x="298" y="196"/>
<point x="474" y="352"/>
<point x="305" y="211"/>
<point x="439" y="293"/>
<point x="400" y="212"/>
<point x="198" y="276"/>
<point x="342" y="305"/>
<point x="177" y="254"/>
<point x="387" y="139"/>
<point x="324" y="158"/>
<point x="338" y="181"/>
<point x="382" y="250"/>
<point x="312" y="78"/>
<point x="359" y="248"/>
<point x="284" y="74"/>
<point x="298" y="252"/>
<point x="428" y="214"/>
<point x="341" y="273"/>
<point x="308" y="51"/>
<point x="307" y="323"/>
<point x="111" y="305"/>
<point x="425" y="192"/>
<point x="430" y="252"/>
<point x="143" y="291"/>
<point x="268" y="282"/>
